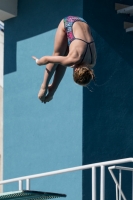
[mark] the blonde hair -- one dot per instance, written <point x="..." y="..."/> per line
<point x="83" y="75"/>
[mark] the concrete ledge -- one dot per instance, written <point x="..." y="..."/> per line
<point x="8" y="9"/>
<point x="128" y="25"/>
<point x="1" y="57"/>
<point x="119" y="6"/>
<point x="1" y="136"/>
<point x="124" y="9"/>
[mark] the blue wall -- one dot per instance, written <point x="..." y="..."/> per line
<point x="108" y="110"/>
<point x="68" y="131"/>
<point x="40" y="137"/>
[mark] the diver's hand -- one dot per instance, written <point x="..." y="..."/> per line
<point x="36" y="59"/>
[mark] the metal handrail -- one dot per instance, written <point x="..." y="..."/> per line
<point x="84" y="167"/>
<point x="118" y="184"/>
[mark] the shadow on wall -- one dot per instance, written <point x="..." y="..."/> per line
<point x="108" y="110"/>
<point x="32" y="21"/>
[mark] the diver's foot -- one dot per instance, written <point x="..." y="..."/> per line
<point x="50" y="94"/>
<point x="42" y="94"/>
<point x="47" y="99"/>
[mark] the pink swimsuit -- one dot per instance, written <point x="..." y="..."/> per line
<point x="68" y="23"/>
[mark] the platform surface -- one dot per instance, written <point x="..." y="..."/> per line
<point x="29" y="195"/>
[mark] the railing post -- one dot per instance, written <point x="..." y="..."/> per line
<point x="116" y="192"/>
<point x="93" y="183"/>
<point x="27" y="184"/>
<point x="132" y="185"/>
<point x="20" y="184"/>
<point x="120" y="184"/>
<point x="116" y="182"/>
<point x="102" y="184"/>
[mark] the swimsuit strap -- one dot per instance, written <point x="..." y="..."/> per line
<point x="90" y="51"/>
<point x="84" y="53"/>
<point x="88" y="44"/>
<point x="83" y="40"/>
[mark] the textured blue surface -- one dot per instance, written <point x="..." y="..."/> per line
<point x="37" y="137"/>
<point x="108" y="110"/>
<point x="67" y="132"/>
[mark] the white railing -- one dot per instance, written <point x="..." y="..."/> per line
<point x="119" y="183"/>
<point x="102" y="165"/>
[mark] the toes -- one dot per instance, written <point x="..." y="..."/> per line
<point x="47" y="99"/>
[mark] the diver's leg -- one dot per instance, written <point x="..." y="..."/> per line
<point x="59" y="73"/>
<point x="60" y="46"/>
